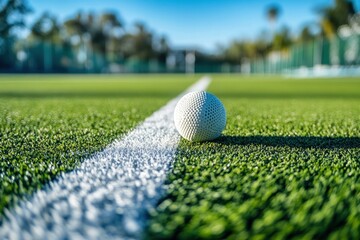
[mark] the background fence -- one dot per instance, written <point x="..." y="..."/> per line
<point x="320" y="53"/>
<point x="44" y="57"/>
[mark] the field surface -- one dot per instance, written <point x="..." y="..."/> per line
<point x="287" y="165"/>
<point x="48" y="124"/>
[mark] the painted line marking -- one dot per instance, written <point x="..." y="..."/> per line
<point x="109" y="194"/>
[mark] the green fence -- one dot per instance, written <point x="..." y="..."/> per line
<point x="24" y="56"/>
<point x="33" y="56"/>
<point x="338" y="51"/>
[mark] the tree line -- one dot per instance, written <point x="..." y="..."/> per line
<point x="107" y="35"/>
<point x="103" y="34"/>
<point x="331" y="18"/>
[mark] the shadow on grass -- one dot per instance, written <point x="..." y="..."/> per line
<point x="292" y="141"/>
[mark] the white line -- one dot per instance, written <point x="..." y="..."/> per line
<point x="109" y="194"/>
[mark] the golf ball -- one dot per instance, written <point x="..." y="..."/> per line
<point x="199" y="116"/>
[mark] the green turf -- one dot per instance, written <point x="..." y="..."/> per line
<point x="288" y="165"/>
<point x="49" y="123"/>
<point x="92" y="86"/>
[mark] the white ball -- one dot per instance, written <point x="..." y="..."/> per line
<point x="199" y="116"/>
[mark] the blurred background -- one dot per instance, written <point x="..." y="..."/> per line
<point x="302" y="38"/>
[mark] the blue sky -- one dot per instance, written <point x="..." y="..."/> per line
<point x="193" y="23"/>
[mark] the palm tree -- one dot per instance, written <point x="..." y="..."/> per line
<point x="336" y="16"/>
<point x="272" y="14"/>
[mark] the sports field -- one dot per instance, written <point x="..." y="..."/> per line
<point x="49" y="123"/>
<point x="287" y="164"/>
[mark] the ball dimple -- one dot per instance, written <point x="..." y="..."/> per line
<point x="199" y="116"/>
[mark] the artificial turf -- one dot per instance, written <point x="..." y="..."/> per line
<point x="287" y="165"/>
<point x="49" y="123"/>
